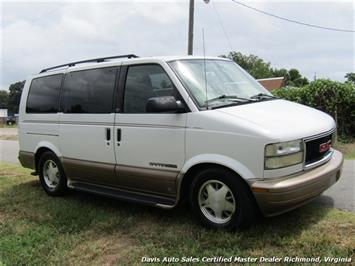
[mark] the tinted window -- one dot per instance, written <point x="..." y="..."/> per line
<point x="44" y="95"/>
<point x="89" y="91"/>
<point x="144" y="82"/>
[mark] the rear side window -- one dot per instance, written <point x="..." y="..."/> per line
<point x="44" y="94"/>
<point x="89" y="91"/>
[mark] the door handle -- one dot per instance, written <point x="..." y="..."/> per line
<point x="118" y="134"/>
<point x="108" y="134"/>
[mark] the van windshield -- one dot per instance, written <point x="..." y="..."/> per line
<point x="226" y="82"/>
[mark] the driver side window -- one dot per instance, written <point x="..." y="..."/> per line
<point x="144" y="82"/>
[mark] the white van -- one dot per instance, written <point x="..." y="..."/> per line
<point x="163" y="129"/>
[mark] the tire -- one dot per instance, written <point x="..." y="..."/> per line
<point x="221" y="199"/>
<point x="51" y="174"/>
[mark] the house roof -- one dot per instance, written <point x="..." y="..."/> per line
<point x="272" y="83"/>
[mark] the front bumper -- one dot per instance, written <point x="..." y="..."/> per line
<point x="283" y="194"/>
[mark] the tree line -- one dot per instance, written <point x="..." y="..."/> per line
<point x="259" y="69"/>
<point x="11" y="99"/>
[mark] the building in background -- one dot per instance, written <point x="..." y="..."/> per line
<point x="272" y="83"/>
<point x="3" y="116"/>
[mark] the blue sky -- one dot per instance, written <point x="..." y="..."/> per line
<point x="35" y="35"/>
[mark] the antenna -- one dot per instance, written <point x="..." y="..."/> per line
<point x="204" y="64"/>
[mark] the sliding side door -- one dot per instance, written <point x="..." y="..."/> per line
<point x="86" y="125"/>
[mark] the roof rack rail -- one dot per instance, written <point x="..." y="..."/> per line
<point x="98" y="60"/>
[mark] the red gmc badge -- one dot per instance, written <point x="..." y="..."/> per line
<point x="325" y="146"/>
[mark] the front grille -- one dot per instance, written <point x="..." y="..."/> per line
<point x="313" y="153"/>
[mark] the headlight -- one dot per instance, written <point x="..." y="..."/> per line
<point x="283" y="154"/>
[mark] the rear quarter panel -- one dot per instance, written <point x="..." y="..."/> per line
<point x="36" y="130"/>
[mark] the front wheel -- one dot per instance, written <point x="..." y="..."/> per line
<point x="51" y="174"/>
<point x="222" y="200"/>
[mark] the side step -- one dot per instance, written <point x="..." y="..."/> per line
<point x="115" y="193"/>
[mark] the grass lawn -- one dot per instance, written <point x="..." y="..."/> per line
<point x="81" y="229"/>
<point x="348" y="149"/>
<point x="7" y="126"/>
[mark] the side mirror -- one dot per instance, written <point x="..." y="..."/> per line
<point x="164" y="104"/>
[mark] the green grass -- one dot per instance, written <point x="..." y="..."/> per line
<point x="348" y="149"/>
<point x="81" y="229"/>
<point x="2" y="125"/>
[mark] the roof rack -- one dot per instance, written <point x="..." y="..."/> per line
<point x="98" y="60"/>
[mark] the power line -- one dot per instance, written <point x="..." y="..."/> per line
<point x="222" y="26"/>
<point x="292" y="20"/>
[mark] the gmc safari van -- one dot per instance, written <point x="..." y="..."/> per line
<point x="162" y="130"/>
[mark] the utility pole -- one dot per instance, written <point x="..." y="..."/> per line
<point x="190" y="46"/>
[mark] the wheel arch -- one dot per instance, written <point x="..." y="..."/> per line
<point x="202" y="162"/>
<point x="43" y="147"/>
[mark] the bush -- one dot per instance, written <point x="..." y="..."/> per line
<point x="335" y="98"/>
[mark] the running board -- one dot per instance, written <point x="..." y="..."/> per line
<point x="115" y="193"/>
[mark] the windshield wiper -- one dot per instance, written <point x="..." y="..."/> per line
<point x="261" y="96"/>
<point x="230" y="97"/>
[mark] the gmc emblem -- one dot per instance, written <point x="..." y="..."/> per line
<point x="325" y="146"/>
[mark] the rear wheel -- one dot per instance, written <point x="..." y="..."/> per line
<point x="220" y="199"/>
<point x="51" y="174"/>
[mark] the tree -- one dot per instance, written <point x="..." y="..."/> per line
<point x="300" y="82"/>
<point x="258" y="68"/>
<point x="254" y="65"/>
<point x="350" y="77"/>
<point x="15" y="96"/>
<point x="296" y="78"/>
<point x="294" y="74"/>
<point x="282" y="73"/>
<point x="4" y="98"/>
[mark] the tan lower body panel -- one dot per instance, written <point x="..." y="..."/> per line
<point x="27" y="159"/>
<point x="147" y="179"/>
<point x="89" y="171"/>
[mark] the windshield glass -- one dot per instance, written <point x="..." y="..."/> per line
<point x="226" y="82"/>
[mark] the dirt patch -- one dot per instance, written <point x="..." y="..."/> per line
<point x="8" y="137"/>
<point x="105" y="250"/>
<point x="8" y="133"/>
<point x="338" y="230"/>
<point x="9" y="173"/>
<point x="2" y="217"/>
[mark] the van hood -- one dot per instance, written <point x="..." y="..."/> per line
<point x="282" y="120"/>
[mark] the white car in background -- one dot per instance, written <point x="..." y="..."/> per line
<point x="159" y="130"/>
